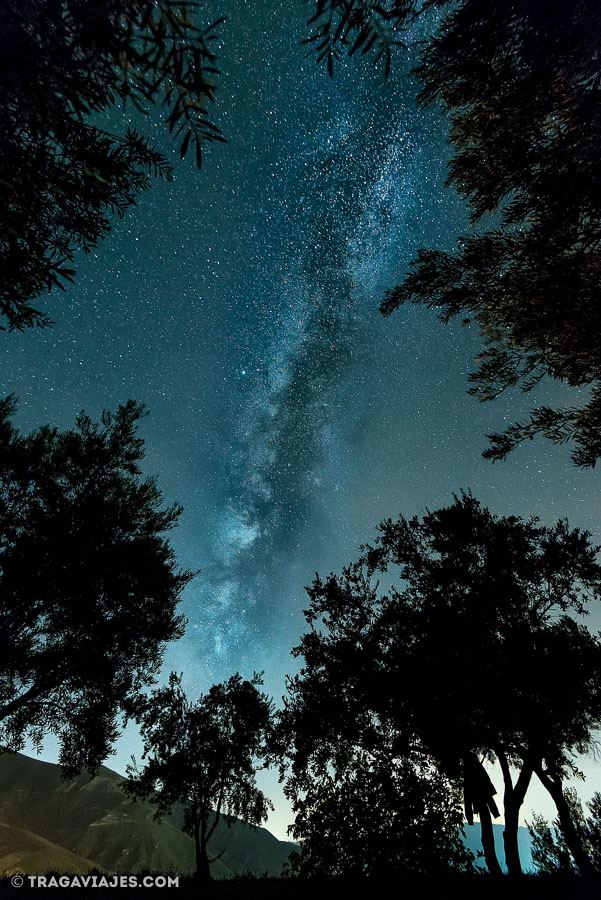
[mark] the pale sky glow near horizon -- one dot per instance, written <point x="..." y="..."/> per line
<point x="240" y="303"/>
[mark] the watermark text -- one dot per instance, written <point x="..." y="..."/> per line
<point x="96" y="881"/>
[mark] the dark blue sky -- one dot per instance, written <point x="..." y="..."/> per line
<point x="241" y="305"/>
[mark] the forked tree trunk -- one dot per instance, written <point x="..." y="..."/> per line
<point x="513" y="799"/>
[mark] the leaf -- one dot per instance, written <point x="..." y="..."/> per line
<point x="174" y="117"/>
<point x="362" y="36"/>
<point x="369" y="44"/>
<point x="185" y="143"/>
<point x="216" y="24"/>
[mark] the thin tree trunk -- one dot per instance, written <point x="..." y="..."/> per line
<point x="488" y="839"/>
<point x="571" y="833"/>
<point x="479" y="794"/>
<point x="197" y="852"/>
<point x="203" y="868"/>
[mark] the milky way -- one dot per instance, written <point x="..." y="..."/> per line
<point x="341" y="195"/>
<point x="241" y="304"/>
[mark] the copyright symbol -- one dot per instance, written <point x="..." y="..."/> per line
<point x="17" y="881"/>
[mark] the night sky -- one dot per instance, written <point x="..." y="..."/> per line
<point x="240" y="303"/>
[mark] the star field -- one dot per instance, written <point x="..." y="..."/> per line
<point x="240" y="303"/>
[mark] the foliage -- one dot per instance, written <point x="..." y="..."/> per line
<point x="63" y="169"/>
<point x="204" y="755"/>
<point x="375" y="818"/>
<point x="89" y="586"/>
<point x="529" y="70"/>
<point x="469" y="654"/>
<point x="550" y="851"/>
<point x="356" y="26"/>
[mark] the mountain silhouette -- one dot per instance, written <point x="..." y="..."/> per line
<point x="47" y="823"/>
<point x="473" y="842"/>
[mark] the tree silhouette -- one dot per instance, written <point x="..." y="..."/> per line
<point x="519" y="80"/>
<point x="470" y="655"/>
<point x="88" y="583"/>
<point x="205" y="756"/>
<point x="64" y="169"/>
<point x="367" y="815"/>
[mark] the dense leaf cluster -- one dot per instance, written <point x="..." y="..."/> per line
<point x="64" y="171"/>
<point x="351" y="26"/>
<point x="88" y="583"/>
<point x="550" y="851"/>
<point x="371" y="817"/>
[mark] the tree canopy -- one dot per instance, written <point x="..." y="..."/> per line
<point x="204" y="755"/>
<point x="64" y="170"/>
<point x="519" y="81"/>
<point x="470" y="654"/>
<point x="366" y="815"/>
<point x="89" y="585"/>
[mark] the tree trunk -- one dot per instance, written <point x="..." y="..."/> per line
<point x="488" y="839"/>
<point x="479" y="793"/>
<point x="571" y="833"/>
<point x="510" y="838"/>
<point x="513" y="798"/>
<point x="203" y="868"/>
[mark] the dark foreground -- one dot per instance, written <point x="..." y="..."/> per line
<point x="478" y="887"/>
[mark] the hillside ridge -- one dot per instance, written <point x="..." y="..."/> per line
<point x="50" y="823"/>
